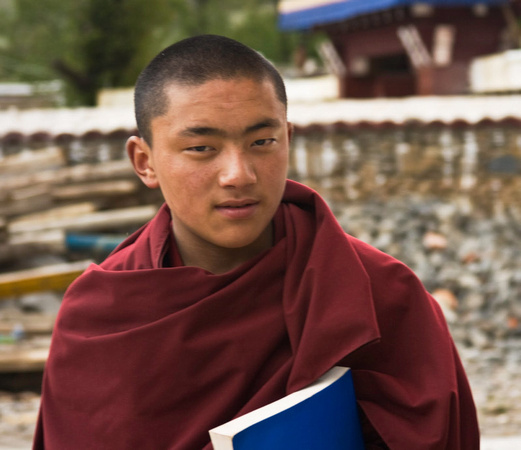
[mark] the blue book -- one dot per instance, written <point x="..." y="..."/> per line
<point x="321" y="416"/>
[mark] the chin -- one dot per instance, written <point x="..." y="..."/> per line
<point x="236" y="243"/>
<point x="240" y="240"/>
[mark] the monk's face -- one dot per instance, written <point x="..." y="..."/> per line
<point x="220" y="157"/>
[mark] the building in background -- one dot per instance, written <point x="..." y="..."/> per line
<point x="48" y="94"/>
<point x="394" y="48"/>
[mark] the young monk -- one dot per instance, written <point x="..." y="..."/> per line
<point x="243" y="288"/>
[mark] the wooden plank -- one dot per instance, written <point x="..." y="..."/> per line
<point x="37" y="203"/>
<point x="24" y="357"/>
<point x="23" y="360"/>
<point x="52" y="240"/>
<point x="109" y="170"/>
<point x="74" y="210"/>
<point x="27" y="245"/>
<point x="34" y="160"/>
<point x="55" y="277"/>
<point x="111" y="219"/>
<point x="31" y="323"/>
<point x="97" y="189"/>
<point x="29" y="192"/>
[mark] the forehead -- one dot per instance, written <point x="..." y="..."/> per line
<point x="218" y="89"/>
<point x="228" y="103"/>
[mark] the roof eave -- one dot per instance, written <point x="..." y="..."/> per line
<point x="309" y="18"/>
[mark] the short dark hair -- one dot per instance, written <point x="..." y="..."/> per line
<point x="193" y="62"/>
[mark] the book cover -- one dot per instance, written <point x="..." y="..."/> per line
<point x="321" y="416"/>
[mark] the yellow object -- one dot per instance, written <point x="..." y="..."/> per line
<point x="56" y="277"/>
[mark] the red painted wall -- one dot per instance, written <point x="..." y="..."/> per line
<point x="364" y="38"/>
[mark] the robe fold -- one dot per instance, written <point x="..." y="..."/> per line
<point x="149" y="356"/>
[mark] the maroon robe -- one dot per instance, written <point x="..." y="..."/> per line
<point x="150" y="356"/>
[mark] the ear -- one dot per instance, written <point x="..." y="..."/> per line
<point x="290" y="131"/>
<point x="140" y="155"/>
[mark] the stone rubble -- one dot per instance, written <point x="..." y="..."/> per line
<point x="471" y="264"/>
<point x="18" y="414"/>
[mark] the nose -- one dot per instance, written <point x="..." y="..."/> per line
<point x="237" y="169"/>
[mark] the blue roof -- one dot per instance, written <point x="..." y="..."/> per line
<point x="337" y="10"/>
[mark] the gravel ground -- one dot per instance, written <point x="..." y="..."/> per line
<point x="18" y="413"/>
<point x="497" y="392"/>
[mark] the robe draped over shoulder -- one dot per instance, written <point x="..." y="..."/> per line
<point x="151" y="357"/>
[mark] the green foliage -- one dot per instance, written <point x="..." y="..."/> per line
<point x="31" y="37"/>
<point x="93" y="44"/>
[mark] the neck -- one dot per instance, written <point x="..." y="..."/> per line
<point x="219" y="260"/>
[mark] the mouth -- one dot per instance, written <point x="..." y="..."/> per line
<point x="239" y="203"/>
<point x="238" y="209"/>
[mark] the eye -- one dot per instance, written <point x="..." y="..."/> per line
<point x="199" y="149"/>
<point x="263" y="142"/>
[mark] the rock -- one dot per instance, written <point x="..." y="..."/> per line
<point x="448" y="302"/>
<point x="434" y="241"/>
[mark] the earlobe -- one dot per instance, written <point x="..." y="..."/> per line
<point x="140" y="155"/>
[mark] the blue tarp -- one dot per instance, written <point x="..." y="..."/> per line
<point x="337" y="11"/>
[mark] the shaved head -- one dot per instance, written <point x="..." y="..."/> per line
<point x="193" y="62"/>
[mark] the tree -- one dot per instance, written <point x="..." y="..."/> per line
<point x="114" y="40"/>
<point x="92" y="44"/>
<point x="89" y="43"/>
<point x="253" y="22"/>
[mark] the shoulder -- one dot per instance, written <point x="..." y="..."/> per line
<point x="378" y="263"/>
<point x="393" y="284"/>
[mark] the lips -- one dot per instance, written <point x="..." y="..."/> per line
<point x="238" y="209"/>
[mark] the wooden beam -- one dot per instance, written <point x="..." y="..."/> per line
<point x="15" y="358"/>
<point x="97" y="190"/>
<point x="32" y="244"/>
<point x="34" y="160"/>
<point x="111" y="219"/>
<point x="22" y="206"/>
<point x="59" y="212"/>
<point x="53" y="240"/>
<point x="31" y="323"/>
<point x="55" y="277"/>
<point x="414" y="46"/>
<point x="109" y="170"/>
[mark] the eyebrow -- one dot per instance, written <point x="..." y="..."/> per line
<point x="211" y="131"/>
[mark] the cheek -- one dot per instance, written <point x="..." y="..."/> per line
<point x="278" y="167"/>
<point x="188" y="189"/>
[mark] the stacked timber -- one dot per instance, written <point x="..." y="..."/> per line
<point x="42" y="198"/>
<point x="58" y="214"/>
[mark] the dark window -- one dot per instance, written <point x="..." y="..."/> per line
<point x="398" y="63"/>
